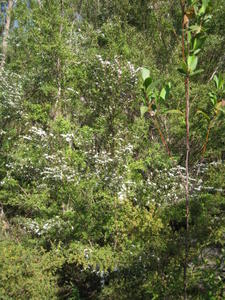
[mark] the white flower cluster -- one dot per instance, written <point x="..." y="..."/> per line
<point x="38" y="131"/>
<point x="56" y="223"/>
<point x="11" y="94"/>
<point x="61" y="171"/>
<point x="116" y="66"/>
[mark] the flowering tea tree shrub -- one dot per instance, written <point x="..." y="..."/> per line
<point x="92" y="193"/>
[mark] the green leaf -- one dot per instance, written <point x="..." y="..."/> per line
<point x="216" y="79"/>
<point x="169" y="85"/>
<point x="195" y="9"/>
<point x="147" y="82"/>
<point x="189" y="37"/>
<point x="163" y="94"/>
<point x="145" y="73"/>
<point x="207" y="18"/>
<point x="196" y="72"/>
<point x="197" y="51"/>
<point x="192" y="62"/>
<point x="196" y="29"/>
<point x="143" y="110"/>
<point x="183" y="69"/>
<point x="196" y="47"/>
<point x="203" y="114"/>
<point x="213" y="98"/>
<point x="219" y="81"/>
<point x="204" y="6"/>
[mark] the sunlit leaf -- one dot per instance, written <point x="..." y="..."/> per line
<point x="196" y="29"/>
<point x="145" y="73"/>
<point x="197" y="51"/>
<point x="163" y="94"/>
<point x="216" y="79"/>
<point x="192" y="62"/>
<point x="204" y="6"/>
<point x="143" y="110"/>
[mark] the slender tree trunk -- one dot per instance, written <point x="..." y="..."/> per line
<point x="6" y="33"/>
<point x="187" y="184"/>
<point x="185" y="25"/>
<point x="57" y="106"/>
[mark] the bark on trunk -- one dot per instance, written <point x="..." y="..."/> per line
<point x="185" y="48"/>
<point x="6" y="33"/>
<point x="57" y="106"/>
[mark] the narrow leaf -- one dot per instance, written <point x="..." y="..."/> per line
<point x="196" y="72"/>
<point x="197" y="51"/>
<point x="221" y="81"/>
<point x="203" y="114"/>
<point x="181" y="71"/>
<point x="216" y="79"/>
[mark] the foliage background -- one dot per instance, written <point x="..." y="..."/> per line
<point x="91" y="205"/>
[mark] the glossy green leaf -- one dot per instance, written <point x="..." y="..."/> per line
<point x="163" y="94"/>
<point x="197" y="51"/>
<point x="219" y="81"/>
<point x="147" y="82"/>
<point x="216" y="79"/>
<point x="192" y="62"/>
<point x="145" y="73"/>
<point x="189" y="37"/>
<point x="204" y="7"/>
